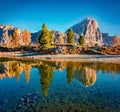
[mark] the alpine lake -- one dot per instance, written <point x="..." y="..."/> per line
<point x="59" y="86"/>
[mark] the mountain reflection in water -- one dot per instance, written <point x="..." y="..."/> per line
<point x="46" y="86"/>
<point x="86" y="73"/>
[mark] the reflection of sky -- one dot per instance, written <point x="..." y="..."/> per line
<point x="60" y="14"/>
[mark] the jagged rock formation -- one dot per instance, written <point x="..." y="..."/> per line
<point x="89" y="27"/>
<point x="58" y="35"/>
<point x="6" y="34"/>
<point x="5" y="31"/>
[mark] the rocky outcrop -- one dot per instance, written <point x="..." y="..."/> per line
<point x="6" y="34"/>
<point x="5" y="31"/>
<point x="59" y="36"/>
<point x="89" y="27"/>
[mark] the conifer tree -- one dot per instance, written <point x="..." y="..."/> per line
<point x="70" y="37"/>
<point x="70" y="72"/>
<point x="46" y="73"/>
<point x="45" y="38"/>
<point x="81" y="40"/>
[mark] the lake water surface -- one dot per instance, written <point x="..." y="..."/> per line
<point x="59" y="87"/>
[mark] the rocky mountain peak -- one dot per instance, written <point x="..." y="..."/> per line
<point x="92" y="22"/>
<point x="6" y="27"/>
<point x="89" y="27"/>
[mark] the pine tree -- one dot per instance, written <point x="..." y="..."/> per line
<point x="116" y="40"/>
<point x="45" y="38"/>
<point x="81" y="40"/>
<point x="70" y="72"/>
<point x="16" y="37"/>
<point x="46" y="74"/>
<point x="70" y="37"/>
<point x="26" y="37"/>
<point x="26" y="69"/>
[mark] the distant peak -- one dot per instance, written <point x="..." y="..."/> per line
<point x="6" y="26"/>
<point x="9" y="26"/>
<point x="89" y="18"/>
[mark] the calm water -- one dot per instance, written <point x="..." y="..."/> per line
<point x="59" y="87"/>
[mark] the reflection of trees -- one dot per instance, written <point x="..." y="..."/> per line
<point x="26" y="69"/>
<point x="84" y="72"/>
<point x="2" y="68"/>
<point x="46" y="73"/>
<point x="108" y="67"/>
<point x="60" y="65"/>
<point x="14" y="69"/>
<point x="3" y="71"/>
<point x="70" y="71"/>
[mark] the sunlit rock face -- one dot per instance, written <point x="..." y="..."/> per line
<point x="89" y="27"/>
<point x="6" y="32"/>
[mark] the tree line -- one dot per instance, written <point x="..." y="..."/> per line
<point x="46" y="38"/>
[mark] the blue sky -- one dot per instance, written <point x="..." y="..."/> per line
<point x="60" y="14"/>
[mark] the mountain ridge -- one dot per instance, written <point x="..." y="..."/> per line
<point x="89" y="27"/>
